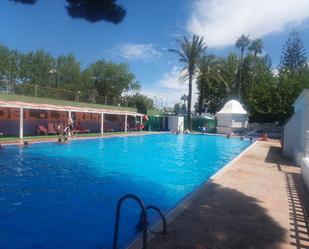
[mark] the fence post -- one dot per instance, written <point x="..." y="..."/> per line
<point x="105" y="100"/>
<point x="77" y="96"/>
<point x="36" y="91"/>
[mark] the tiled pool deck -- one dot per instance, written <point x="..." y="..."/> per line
<point x="259" y="201"/>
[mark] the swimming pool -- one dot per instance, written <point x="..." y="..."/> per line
<point x="64" y="195"/>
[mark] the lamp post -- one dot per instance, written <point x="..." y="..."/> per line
<point x="53" y="72"/>
<point x="155" y="101"/>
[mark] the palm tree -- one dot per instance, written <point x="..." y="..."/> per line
<point x="256" y="47"/>
<point x="184" y="98"/>
<point x="207" y="70"/>
<point x="228" y="72"/>
<point x="242" y="43"/>
<point x="189" y="54"/>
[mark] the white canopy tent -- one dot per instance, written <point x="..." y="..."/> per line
<point x="231" y="117"/>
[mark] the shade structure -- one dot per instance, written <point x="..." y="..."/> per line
<point x="12" y="110"/>
<point x="231" y="117"/>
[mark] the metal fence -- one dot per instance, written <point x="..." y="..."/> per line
<point x="39" y="91"/>
<point x="273" y="130"/>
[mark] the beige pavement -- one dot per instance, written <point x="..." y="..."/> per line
<point x="257" y="202"/>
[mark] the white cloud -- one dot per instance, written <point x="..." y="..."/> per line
<point x="169" y="90"/>
<point x="223" y="21"/>
<point x="138" y="51"/>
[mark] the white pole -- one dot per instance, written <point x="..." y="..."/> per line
<point x="141" y="123"/>
<point x="69" y="123"/>
<point x="307" y="144"/>
<point x="21" y="123"/>
<point x="102" y="123"/>
<point x="125" y="122"/>
<point x="69" y="117"/>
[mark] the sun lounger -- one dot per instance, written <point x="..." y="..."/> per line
<point x="42" y="130"/>
<point x="51" y="129"/>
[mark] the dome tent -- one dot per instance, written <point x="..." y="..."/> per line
<point x="231" y="117"/>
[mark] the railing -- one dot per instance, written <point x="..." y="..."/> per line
<point x="143" y="222"/>
<point x="39" y="91"/>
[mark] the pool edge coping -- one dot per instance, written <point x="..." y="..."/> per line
<point x="51" y="140"/>
<point x="187" y="201"/>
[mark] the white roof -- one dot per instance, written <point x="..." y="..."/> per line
<point x="26" y="105"/>
<point x="232" y="107"/>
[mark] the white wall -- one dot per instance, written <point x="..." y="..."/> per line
<point x="291" y="135"/>
<point x="176" y="123"/>
<point x="227" y="122"/>
<point x="296" y="139"/>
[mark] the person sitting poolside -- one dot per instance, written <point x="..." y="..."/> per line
<point x="81" y="129"/>
<point x="187" y="131"/>
<point x="263" y="137"/>
<point x="203" y="129"/>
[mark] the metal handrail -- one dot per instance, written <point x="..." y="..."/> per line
<point x="143" y="217"/>
<point x="164" y="230"/>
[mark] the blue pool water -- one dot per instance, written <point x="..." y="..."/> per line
<point x="64" y="195"/>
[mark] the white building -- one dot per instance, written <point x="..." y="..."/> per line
<point x="231" y="117"/>
<point x="296" y="135"/>
<point x="176" y="123"/>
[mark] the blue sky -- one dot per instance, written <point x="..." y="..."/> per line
<point x="149" y="29"/>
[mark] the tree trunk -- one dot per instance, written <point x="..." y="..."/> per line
<point x="240" y="74"/>
<point x="189" y="101"/>
<point x="200" y="101"/>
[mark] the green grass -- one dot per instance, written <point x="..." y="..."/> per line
<point x="29" y="99"/>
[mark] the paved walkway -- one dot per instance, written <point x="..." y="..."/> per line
<point x="257" y="202"/>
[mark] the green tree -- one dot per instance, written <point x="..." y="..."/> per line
<point x="208" y="71"/>
<point x="183" y="109"/>
<point x="141" y="102"/>
<point x="256" y="47"/>
<point x="91" y="10"/>
<point x="264" y="102"/>
<point x="176" y="109"/>
<point x="68" y="73"/>
<point x="109" y="79"/>
<point x="293" y="57"/>
<point x="35" y="68"/>
<point x="9" y="67"/>
<point x="242" y="43"/>
<point x="189" y="54"/>
<point x="184" y="98"/>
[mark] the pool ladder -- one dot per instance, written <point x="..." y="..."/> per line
<point x="143" y="222"/>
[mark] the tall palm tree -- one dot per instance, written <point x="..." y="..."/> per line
<point x="184" y="98"/>
<point x="189" y="54"/>
<point x="242" y="43"/>
<point x="256" y="47"/>
<point x="208" y="69"/>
